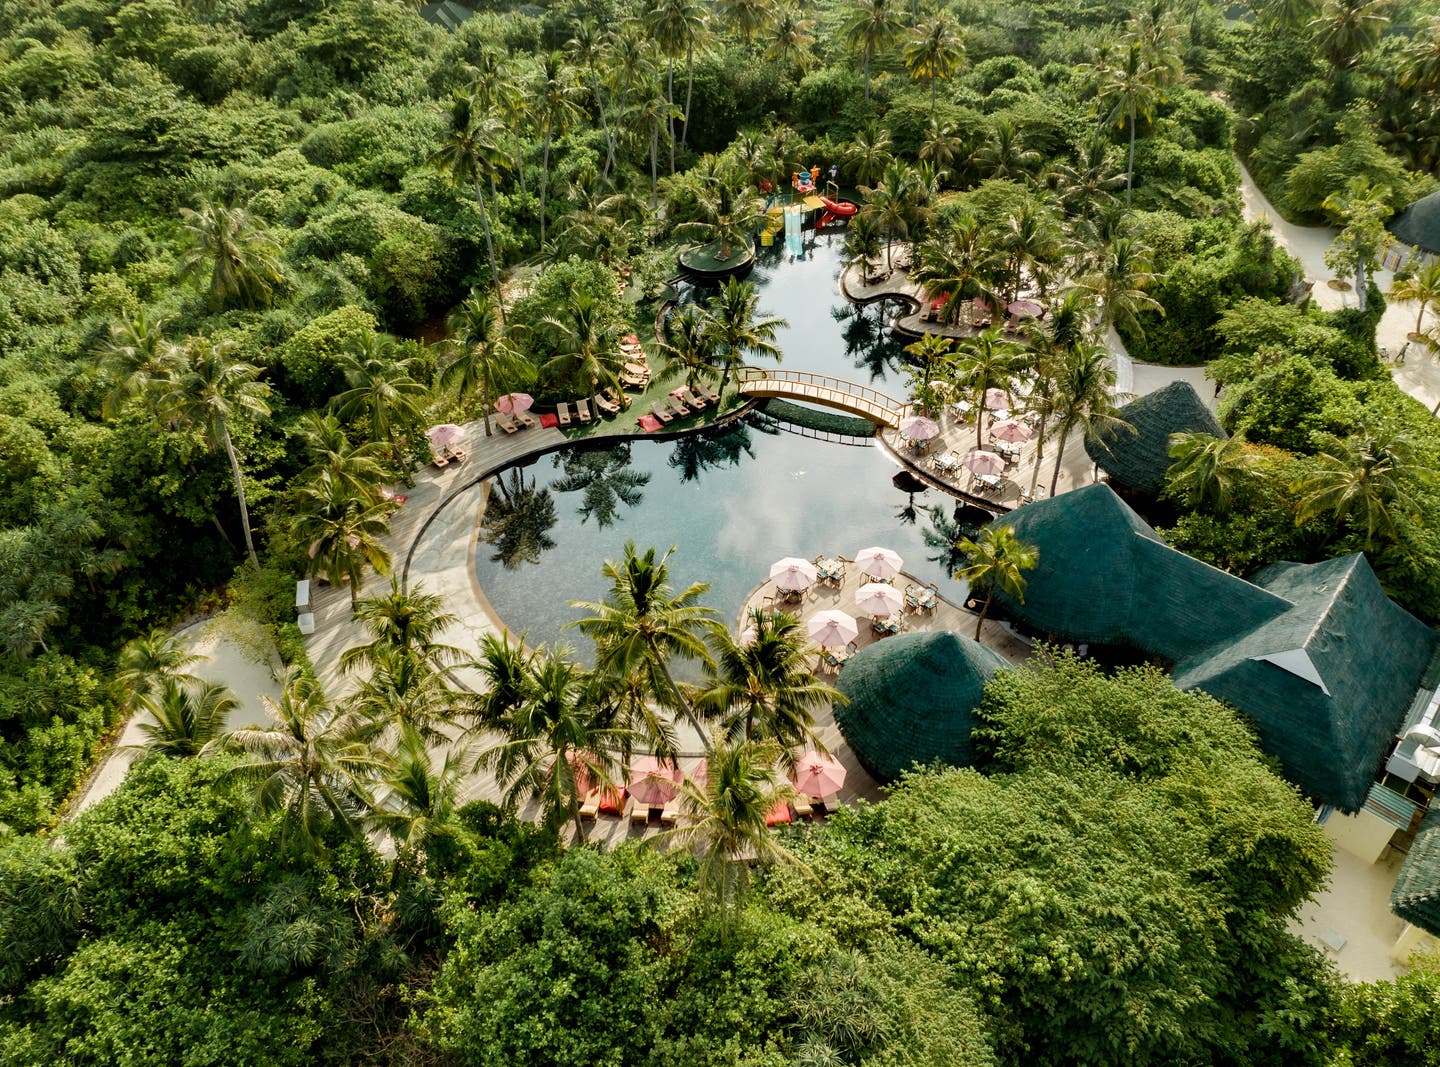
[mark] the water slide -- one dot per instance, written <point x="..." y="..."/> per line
<point x="835" y="211"/>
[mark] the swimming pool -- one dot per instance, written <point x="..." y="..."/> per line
<point x="731" y="502"/>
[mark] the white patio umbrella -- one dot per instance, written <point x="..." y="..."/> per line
<point x="832" y="629"/>
<point x="918" y="428"/>
<point x="792" y="574"/>
<point x="997" y="399"/>
<point x="978" y="461"/>
<point x="883" y="563"/>
<point x="878" y="599"/>
<point x="1012" y="430"/>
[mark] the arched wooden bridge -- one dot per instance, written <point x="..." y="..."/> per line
<point x="822" y="389"/>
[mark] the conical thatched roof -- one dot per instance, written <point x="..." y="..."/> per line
<point x="1419" y="224"/>
<point x="1416" y="896"/>
<point x="912" y="699"/>
<point x="1139" y="460"/>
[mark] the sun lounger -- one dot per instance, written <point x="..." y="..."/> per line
<point x="711" y="395"/>
<point x="605" y="406"/>
<point x="505" y="422"/>
<point x="803" y="808"/>
<point x="660" y="413"/>
<point x="694" y="399"/>
<point x="562" y="413"/>
<point x="634" y="382"/>
<point x="670" y="814"/>
<point x="591" y="806"/>
<point x="458" y="455"/>
<point x="524" y="420"/>
<point x="639" y="812"/>
<point x="678" y="406"/>
<point x="582" y="408"/>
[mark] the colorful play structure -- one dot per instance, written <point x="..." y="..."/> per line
<point x="784" y="216"/>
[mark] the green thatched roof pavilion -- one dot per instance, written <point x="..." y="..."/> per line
<point x="912" y="700"/>
<point x="1322" y="662"/>
<point x="1419" y="224"/>
<point x="1139" y="460"/>
<point x="1416" y="896"/>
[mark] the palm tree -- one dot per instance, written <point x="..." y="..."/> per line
<point x="764" y="689"/>
<point x="725" y="216"/>
<point x="653" y="113"/>
<point x="1030" y="238"/>
<point x="405" y="691"/>
<point x="1084" y="399"/>
<point x="870" y="27"/>
<point x="587" y="357"/>
<point x="505" y="668"/>
<point x="471" y="154"/>
<point x="1118" y="284"/>
<point x="329" y="449"/>
<point x="642" y="624"/>
<point x="1050" y="345"/>
<point x="944" y="147"/>
<point x="135" y="357"/>
<point x="934" y="51"/>
<point x="1421" y="285"/>
<point x="997" y="562"/>
<point x="1132" y="84"/>
<point x="210" y="393"/>
<point x="932" y="348"/>
<point x="482" y="361"/>
<point x="408" y="622"/>
<point x="891" y="204"/>
<point x="1286" y="16"/>
<point x="148" y="662"/>
<point x="862" y="245"/>
<point x="555" y="107"/>
<point x="791" y="38"/>
<point x="187" y="716"/>
<point x="724" y="820"/>
<point x="869" y="153"/>
<point x="1365" y="479"/>
<point x="586" y="48"/>
<point x="749" y="18"/>
<point x="232" y="254"/>
<point x="1207" y="470"/>
<point x="1344" y="30"/>
<point x="311" y="763"/>
<point x="989" y="360"/>
<point x="677" y="26"/>
<point x="416" y="799"/>
<point x="344" y="532"/>
<point x="1005" y="154"/>
<point x="556" y="740"/>
<point x="601" y="222"/>
<point x="1361" y="209"/>
<point x="1089" y="183"/>
<point x="381" y="391"/>
<point x="689" y="346"/>
<point x="735" y="333"/>
<point x="959" y="262"/>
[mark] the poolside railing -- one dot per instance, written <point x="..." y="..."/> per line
<point x="823" y="389"/>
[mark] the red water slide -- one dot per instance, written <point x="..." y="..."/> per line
<point x="834" y="210"/>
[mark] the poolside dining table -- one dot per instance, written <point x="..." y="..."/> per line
<point x="830" y="570"/>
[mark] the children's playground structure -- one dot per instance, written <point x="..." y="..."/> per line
<point x="783" y="212"/>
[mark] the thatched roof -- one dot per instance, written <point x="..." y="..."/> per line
<point x="912" y="699"/>
<point x="1139" y="460"/>
<point x="1316" y="655"/>
<point x="1419" y="224"/>
<point x="1416" y="896"/>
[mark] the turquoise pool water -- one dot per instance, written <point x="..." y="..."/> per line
<point x="731" y="503"/>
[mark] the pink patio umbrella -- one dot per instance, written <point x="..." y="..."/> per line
<point x="878" y="599"/>
<point x="1024" y="309"/>
<point x="882" y="563"/>
<point x="444" y="436"/>
<point x="817" y="776"/>
<point x="1012" y="430"/>
<point x="792" y="574"/>
<point x="510" y="403"/>
<point x="654" y="782"/>
<point x="978" y="461"/>
<point x="918" y="428"/>
<point x="997" y="399"/>
<point x="630" y="339"/>
<point x="832" y="629"/>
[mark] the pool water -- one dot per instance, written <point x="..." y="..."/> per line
<point x="730" y="502"/>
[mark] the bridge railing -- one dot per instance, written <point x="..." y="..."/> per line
<point x="823" y="386"/>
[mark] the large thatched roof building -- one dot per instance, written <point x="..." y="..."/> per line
<point x="1416" y="896"/>
<point x="1138" y="460"/>
<point x="1419" y="224"/>
<point x="1316" y="655"/>
<point x="911" y="699"/>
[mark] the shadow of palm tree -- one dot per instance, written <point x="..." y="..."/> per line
<point x="604" y="480"/>
<point x="518" y="521"/>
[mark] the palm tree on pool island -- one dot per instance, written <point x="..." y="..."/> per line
<point x="997" y="562"/>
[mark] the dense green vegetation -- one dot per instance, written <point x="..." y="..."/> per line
<point x="249" y="249"/>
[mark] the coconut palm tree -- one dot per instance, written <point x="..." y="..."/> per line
<point x="1049" y="346"/>
<point x="415" y="799"/>
<point x="210" y="392"/>
<point x="1365" y="479"/>
<point x="688" y="345"/>
<point x="405" y="691"/>
<point x="997" y="562"/>
<point x="723" y="215"/>
<point x="643" y="623"/>
<point x="381" y="392"/>
<point x="1084" y="399"/>
<point x="870" y="27"/>
<point x="586" y="48"/>
<point x="344" y="531"/>
<point x="1005" y="154"/>
<point x="135" y="357"/>
<point x="557" y="741"/>
<point x="232" y="254"/>
<point x="931" y="349"/>
<point x="892" y="205"/>
<point x="791" y="37"/>
<point x="1345" y="30"/>
<point x="988" y="360"/>
<point x="1131" y="84"/>
<point x="1030" y="237"/>
<point x="723" y="820"/>
<point x="555" y="96"/>
<point x="862" y="245"/>
<point x="748" y="18"/>
<point x="187" y="716"/>
<point x="1118" y="285"/>
<point x="934" y="51"/>
<point x="1286" y="16"/>
<point x="1421" y="285"/>
<point x="944" y="148"/>
<point x="1360" y="209"/>
<point x="471" y="155"/>
<point x="404" y="621"/>
<point x="736" y="334"/>
<point x="329" y="449"/>
<point x="764" y="689"/>
<point x="587" y="356"/>
<point x="1207" y="470"/>
<point x="505" y="667"/>
<point x="869" y="153"/>
<point x="678" y="27"/>
<point x="601" y="222"/>
<point x="312" y="763"/>
<point x="1089" y="182"/>
<point x="959" y="262"/>
<point x="482" y="362"/>
<point x="653" y="113"/>
<point x="148" y="662"/>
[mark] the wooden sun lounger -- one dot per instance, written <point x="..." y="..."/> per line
<point x="695" y="400"/>
<point x="803" y="807"/>
<point x="582" y="408"/>
<point x="505" y="422"/>
<point x="604" y="405"/>
<point x="440" y="461"/>
<point x="524" y="420"/>
<point x="711" y="395"/>
<point x="591" y="806"/>
<point x="562" y="414"/>
<point x="660" y="413"/>
<point x="678" y="406"/>
<point x="458" y="455"/>
<point x="639" y="812"/>
<point x="670" y="814"/>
